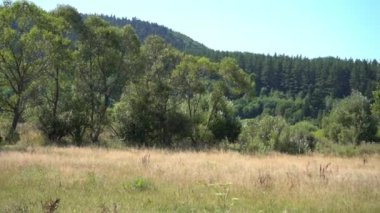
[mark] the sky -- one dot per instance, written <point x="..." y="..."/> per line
<point x="308" y="28"/>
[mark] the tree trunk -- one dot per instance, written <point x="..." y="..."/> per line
<point x="95" y="135"/>
<point x="56" y="94"/>
<point x="97" y="129"/>
<point x="12" y="130"/>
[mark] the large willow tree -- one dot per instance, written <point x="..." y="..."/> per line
<point x="24" y="34"/>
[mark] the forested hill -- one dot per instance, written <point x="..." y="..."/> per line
<point x="144" y="29"/>
<point x="312" y="80"/>
<point x="295" y="76"/>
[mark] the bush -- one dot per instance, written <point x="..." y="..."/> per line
<point x="226" y="127"/>
<point x="261" y="135"/>
<point x="297" y="139"/>
<point x="54" y="128"/>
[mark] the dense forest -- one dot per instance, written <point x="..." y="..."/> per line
<point x="315" y="81"/>
<point x="80" y="78"/>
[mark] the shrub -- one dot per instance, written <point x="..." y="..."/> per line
<point x="350" y="121"/>
<point x="261" y="135"/>
<point x="54" y="128"/>
<point x="298" y="138"/>
<point x="139" y="184"/>
<point x="226" y="127"/>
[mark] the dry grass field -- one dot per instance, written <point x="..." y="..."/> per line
<point x="100" y="180"/>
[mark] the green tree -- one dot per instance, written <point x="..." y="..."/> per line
<point x="105" y="57"/>
<point x="185" y="91"/>
<point x="225" y="125"/>
<point x="231" y="82"/>
<point x="63" y="110"/>
<point x="350" y="121"/>
<point x="205" y="89"/>
<point x="54" y="99"/>
<point x="23" y="36"/>
<point x="73" y="18"/>
<point x="147" y="114"/>
<point x="192" y="78"/>
<point x="262" y="134"/>
<point x="375" y="107"/>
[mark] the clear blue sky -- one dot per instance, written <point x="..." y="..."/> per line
<point x="318" y="28"/>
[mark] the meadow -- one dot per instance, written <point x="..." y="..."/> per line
<point x="72" y="179"/>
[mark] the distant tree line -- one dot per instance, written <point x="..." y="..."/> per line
<point x="314" y="80"/>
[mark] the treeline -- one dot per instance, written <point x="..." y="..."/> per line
<point x="315" y="82"/>
<point x="79" y="78"/>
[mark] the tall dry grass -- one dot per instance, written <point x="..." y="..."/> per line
<point x="210" y="181"/>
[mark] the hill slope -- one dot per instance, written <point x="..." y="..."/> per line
<point x="144" y="29"/>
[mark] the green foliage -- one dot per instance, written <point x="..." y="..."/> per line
<point x="144" y="29"/>
<point x="55" y="100"/>
<point x="350" y="121"/>
<point x="298" y="138"/>
<point x="315" y="78"/>
<point x="349" y="150"/>
<point x="205" y="89"/>
<point x="55" y="128"/>
<point x="262" y="134"/>
<point x="225" y="124"/>
<point x="275" y="104"/>
<point x="225" y="127"/>
<point x="180" y="97"/>
<point x="132" y="116"/>
<point x="236" y="81"/>
<point x="103" y="53"/>
<point x="137" y="121"/>
<point x="375" y="107"/>
<point x="71" y="120"/>
<point x="23" y="37"/>
<point x="140" y="184"/>
<point x="147" y="115"/>
<point x="269" y="133"/>
<point x="192" y="79"/>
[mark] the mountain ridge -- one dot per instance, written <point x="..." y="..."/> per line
<point x="145" y="28"/>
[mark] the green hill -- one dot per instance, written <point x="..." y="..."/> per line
<point x="145" y="28"/>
